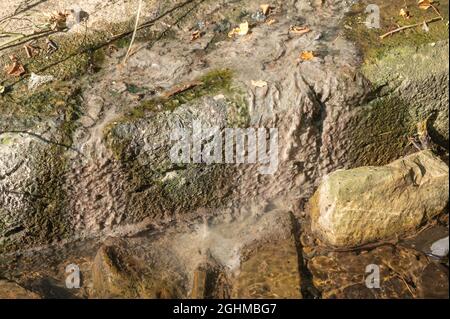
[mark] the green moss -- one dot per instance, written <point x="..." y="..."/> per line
<point x="58" y="101"/>
<point x="5" y="140"/>
<point x="390" y="126"/>
<point x="214" y="82"/>
<point x="368" y="40"/>
<point x="45" y="221"/>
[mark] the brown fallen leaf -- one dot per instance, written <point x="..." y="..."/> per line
<point x="425" y="4"/>
<point x="58" y="20"/>
<point x="30" y="50"/>
<point x="51" y="46"/>
<point x="299" y="30"/>
<point x="404" y="13"/>
<point x="307" y="55"/>
<point x="15" y="69"/>
<point x="196" y="35"/>
<point x="271" y="21"/>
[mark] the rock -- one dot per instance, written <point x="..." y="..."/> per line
<point x="210" y="282"/>
<point x="116" y="274"/>
<point x="368" y="204"/>
<point x="440" y="247"/>
<point x="270" y="272"/>
<point x="404" y="273"/>
<point x="11" y="290"/>
<point x="199" y="287"/>
<point x="434" y="282"/>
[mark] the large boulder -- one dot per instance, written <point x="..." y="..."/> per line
<point x="368" y="204"/>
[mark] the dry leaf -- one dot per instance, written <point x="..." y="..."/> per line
<point x="58" y="20"/>
<point x="243" y="29"/>
<point x="271" y="21"/>
<point x="51" y="46"/>
<point x="30" y="50"/>
<point x="196" y="35"/>
<point x="307" y="55"/>
<point x="299" y="30"/>
<point x="2" y="89"/>
<point x="15" y="69"/>
<point x="404" y="14"/>
<point x="425" y="4"/>
<point x="265" y="8"/>
<point x="259" y="83"/>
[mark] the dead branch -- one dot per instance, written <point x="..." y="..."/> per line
<point x="133" y="37"/>
<point x="409" y="27"/>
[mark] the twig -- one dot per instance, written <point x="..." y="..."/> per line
<point x="169" y="27"/>
<point x="25" y="39"/>
<point x="437" y="11"/>
<point x="41" y="138"/>
<point x="409" y="27"/>
<point x="20" y="10"/>
<point x="116" y="37"/>
<point x="406" y="284"/>
<point x="133" y="37"/>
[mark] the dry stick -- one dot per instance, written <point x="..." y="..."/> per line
<point x="133" y="37"/>
<point x="20" y="10"/>
<point x="25" y="39"/>
<point x="167" y="29"/>
<point x="152" y="21"/>
<point x="437" y="12"/>
<point x="409" y="27"/>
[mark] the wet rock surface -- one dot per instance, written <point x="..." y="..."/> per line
<point x="404" y="273"/>
<point x="272" y="271"/>
<point x="86" y="156"/>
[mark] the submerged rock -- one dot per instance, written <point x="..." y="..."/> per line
<point x="271" y="272"/>
<point x="367" y="204"/>
<point x="210" y="282"/>
<point x="117" y="274"/>
<point x="398" y="273"/>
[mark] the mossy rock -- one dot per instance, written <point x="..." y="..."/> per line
<point x="36" y="134"/>
<point x="408" y="78"/>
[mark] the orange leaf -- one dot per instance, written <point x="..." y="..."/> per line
<point x="425" y="4"/>
<point x="307" y="55"/>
